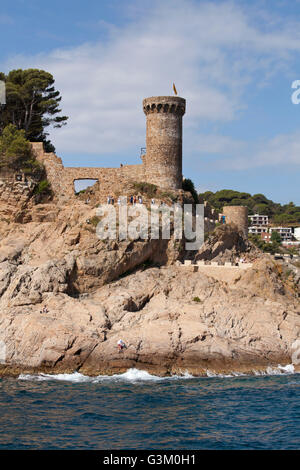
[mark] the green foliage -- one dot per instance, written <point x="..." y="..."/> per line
<point x="188" y="185"/>
<point x="275" y="237"/>
<point x="169" y="195"/>
<point x="14" y="148"/>
<point x="16" y="156"/>
<point x="32" y="104"/>
<point x="43" y="187"/>
<point x="271" y="248"/>
<point x="196" y="299"/>
<point x="95" y="220"/>
<point x="15" y="152"/>
<point x="145" y="188"/>
<point x="257" y="204"/>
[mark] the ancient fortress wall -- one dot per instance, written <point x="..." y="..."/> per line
<point x="237" y="215"/>
<point x="111" y="180"/>
<point x="162" y="163"/>
<point x="163" y="159"/>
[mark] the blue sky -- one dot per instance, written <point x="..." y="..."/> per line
<point x="233" y="61"/>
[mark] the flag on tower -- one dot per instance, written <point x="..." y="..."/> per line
<point x="174" y="88"/>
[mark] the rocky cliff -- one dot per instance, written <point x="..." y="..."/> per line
<point x="171" y="318"/>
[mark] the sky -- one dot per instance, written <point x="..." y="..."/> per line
<point x="233" y="61"/>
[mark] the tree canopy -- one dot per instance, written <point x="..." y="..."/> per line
<point x="257" y="204"/>
<point x="32" y="104"/>
<point x="15" y="152"/>
<point x="188" y="185"/>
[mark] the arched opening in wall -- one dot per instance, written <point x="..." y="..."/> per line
<point x="85" y="186"/>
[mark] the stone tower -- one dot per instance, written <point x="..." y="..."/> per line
<point x="163" y="159"/>
<point x="237" y="215"/>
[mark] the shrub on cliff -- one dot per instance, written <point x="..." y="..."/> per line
<point x="145" y="188"/>
<point x="188" y="185"/>
<point x="14" y="148"/>
<point x="16" y="154"/>
<point x="43" y="188"/>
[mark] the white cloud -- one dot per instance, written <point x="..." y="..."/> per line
<point x="212" y="51"/>
<point x="281" y="150"/>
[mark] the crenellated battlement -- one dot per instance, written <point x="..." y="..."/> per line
<point x="164" y="104"/>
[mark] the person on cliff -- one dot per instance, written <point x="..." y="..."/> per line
<point x="131" y="200"/>
<point x="121" y="345"/>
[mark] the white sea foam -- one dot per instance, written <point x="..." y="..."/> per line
<point x="74" y="377"/>
<point x="136" y="375"/>
<point x="279" y="370"/>
<point x="131" y="375"/>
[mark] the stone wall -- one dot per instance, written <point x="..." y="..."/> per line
<point x="14" y="195"/>
<point x="111" y="180"/>
<point x="163" y="159"/>
<point x="162" y="163"/>
<point x="237" y="215"/>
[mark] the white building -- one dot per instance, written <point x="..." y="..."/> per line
<point x="257" y="219"/>
<point x="257" y="230"/>
<point x="297" y="233"/>
<point x="285" y="233"/>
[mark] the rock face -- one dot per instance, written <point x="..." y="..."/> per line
<point x="226" y="243"/>
<point x="170" y="320"/>
<point x="96" y="292"/>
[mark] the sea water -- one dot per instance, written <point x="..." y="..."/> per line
<point x="137" y="410"/>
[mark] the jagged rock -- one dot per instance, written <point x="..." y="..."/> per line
<point x="238" y="327"/>
<point x="225" y="244"/>
<point x="171" y="318"/>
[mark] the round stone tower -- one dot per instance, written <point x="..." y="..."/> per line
<point x="237" y="215"/>
<point x="163" y="159"/>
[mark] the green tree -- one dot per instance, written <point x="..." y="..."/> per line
<point x="275" y="237"/>
<point x="188" y="185"/>
<point x="15" y="152"/>
<point x="32" y="104"/>
<point x="258" y="203"/>
<point x="14" y="148"/>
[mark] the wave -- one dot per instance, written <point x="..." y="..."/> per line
<point x="136" y="375"/>
<point x="131" y="375"/>
<point x="279" y="370"/>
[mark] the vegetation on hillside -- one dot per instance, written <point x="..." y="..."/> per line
<point x="257" y="204"/>
<point x="145" y="188"/>
<point x="32" y="104"/>
<point x="188" y="185"/>
<point x="15" y="152"/>
<point x="16" y="157"/>
<point x="273" y="247"/>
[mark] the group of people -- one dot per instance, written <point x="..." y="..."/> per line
<point x="133" y="200"/>
<point x="121" y="345"/>
<point x="110" y="200"/>
<point x="136" y="199"/>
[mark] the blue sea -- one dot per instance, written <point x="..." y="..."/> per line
<point x="137" y="410"/>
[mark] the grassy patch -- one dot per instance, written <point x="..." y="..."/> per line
<point x="145" y="188"/>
